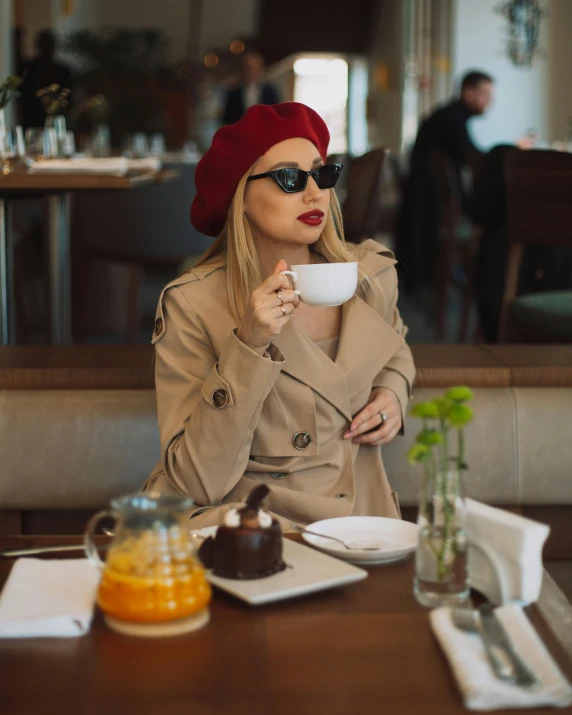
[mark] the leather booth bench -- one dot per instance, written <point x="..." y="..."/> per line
<point x="78" y="427"/>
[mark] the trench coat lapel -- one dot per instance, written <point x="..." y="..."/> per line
<point x="306" y="362"/>
<point x="366" y="344"/>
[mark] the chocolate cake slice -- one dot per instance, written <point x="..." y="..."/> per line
<point x="249" y="543"/>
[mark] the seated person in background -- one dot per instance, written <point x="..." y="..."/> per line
<point x="253" y="90"/>
<point x="446" y="131"/>
<point x="254" y="385"/>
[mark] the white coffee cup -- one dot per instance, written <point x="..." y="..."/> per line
<point x="324" y="283"/>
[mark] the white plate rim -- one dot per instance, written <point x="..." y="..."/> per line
<point x="361" y="557"/>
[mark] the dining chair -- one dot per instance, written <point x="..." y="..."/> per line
<point x="539" y="213"/>
<point x="362" y="206"/>
<point x="457" y="242"/>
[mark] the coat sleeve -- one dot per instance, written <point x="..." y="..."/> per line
<point x="205" y="447"/>
<point x="399" y="372"/>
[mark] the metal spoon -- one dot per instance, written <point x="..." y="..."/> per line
<point x="350" y="544"/>
<point x="33" y="550"/>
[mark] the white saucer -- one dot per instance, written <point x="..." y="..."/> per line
<point x="398" y="538"/>
<point x="307" y="571"/>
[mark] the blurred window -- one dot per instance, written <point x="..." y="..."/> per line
<point x="323" y="85"/>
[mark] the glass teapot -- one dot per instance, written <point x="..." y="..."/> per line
<point x="152" y="582"/>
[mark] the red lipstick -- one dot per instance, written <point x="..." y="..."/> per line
<point x="312" y="218"/>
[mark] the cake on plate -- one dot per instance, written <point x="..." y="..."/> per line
<point x="248" y="544"/>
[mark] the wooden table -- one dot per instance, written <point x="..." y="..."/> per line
<point x="57" y="189"/>
<point x="363" y="649"/>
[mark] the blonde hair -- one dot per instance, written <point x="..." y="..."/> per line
<point x="243" y="267"/>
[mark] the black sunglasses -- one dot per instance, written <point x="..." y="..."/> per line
<point x="293" y="180"/>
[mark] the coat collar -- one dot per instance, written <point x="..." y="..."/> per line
<point x="366" y="344"/>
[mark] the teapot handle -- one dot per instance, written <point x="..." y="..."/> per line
<point x="90" y="547"/>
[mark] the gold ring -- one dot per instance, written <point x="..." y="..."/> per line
<point x="279" y="296"/>
<point x="283" y="309"/>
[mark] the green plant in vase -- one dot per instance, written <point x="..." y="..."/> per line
<point x="9" y="90"/>
<point x="440" y="449"/>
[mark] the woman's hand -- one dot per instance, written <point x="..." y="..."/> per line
<point x="382" y="401"/>
<point x="269" y="309"/>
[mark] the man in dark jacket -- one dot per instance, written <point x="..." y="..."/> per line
<point x="444" y="130"/>
<point x="41" y="72"/>
<point x="252" y="91"/>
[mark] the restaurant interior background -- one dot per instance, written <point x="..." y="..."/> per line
<point x="372" y="68"/>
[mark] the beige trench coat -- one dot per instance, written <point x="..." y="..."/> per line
<point x="229" y="418"/>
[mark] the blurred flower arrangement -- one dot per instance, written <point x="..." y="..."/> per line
<point x="9" y="90"/>
<point x="54" y="98"/>
<point x="96" y="108"/>
<point x="442" y="470"/>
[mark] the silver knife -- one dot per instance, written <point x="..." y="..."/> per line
<point x="496" y="632"/>
<point x="31" y="551"/>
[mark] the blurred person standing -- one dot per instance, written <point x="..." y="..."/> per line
<point x="41" y="71"/>
<point x="444" y="130"/>
<point x="253" y="89"/>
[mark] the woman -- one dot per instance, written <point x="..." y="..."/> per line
<point x="252" y="384"/>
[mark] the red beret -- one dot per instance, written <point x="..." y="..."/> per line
<point x="236" y="147"/>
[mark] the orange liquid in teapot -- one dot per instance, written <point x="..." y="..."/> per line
<point x="139" y="586"/>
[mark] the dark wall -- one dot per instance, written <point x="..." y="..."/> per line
<point x="288" y="26"/>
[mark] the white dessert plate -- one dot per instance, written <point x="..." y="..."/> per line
<point x="308" y="571"/>
<point x="397" y="538"/>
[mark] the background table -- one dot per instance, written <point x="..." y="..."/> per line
<point x="366" y="649"/>
<point x="57" y="189"/>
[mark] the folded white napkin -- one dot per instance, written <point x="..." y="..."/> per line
<point x="116" y="166"/>
<point x="148" y="163"/>
<point x="48" y="598"/>
<point x="505" y="553"/>
<point x="481" y="689"/>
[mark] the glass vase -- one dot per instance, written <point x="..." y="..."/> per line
<point x="56" y="123"/>
<point x="441" y="556"/>
<point x="100" y="142"/>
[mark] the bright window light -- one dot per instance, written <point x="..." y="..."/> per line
<point x="322" y="84"/>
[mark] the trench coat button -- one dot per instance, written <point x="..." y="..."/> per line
<point x="277" y="475"/>
<point x="219" y="399"/>
<point x="158" y="326"/>
<point x="301" y="440"/>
